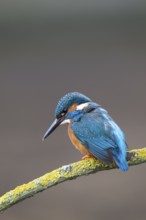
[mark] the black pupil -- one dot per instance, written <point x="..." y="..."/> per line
<point x="62" y="114"/>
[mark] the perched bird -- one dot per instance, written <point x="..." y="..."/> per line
<point x="91" y="129"/>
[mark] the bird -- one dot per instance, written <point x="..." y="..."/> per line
<point x="91" y="129"/>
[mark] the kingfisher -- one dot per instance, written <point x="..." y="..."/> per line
<point x="91" y="129"/>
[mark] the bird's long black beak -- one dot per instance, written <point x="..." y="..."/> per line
<point x="53" y="126"/>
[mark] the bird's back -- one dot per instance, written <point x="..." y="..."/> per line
<point x="101" y="136"/>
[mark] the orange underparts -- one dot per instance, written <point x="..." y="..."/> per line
<point x="75" y="141"/>
<point x="77" y="144"/>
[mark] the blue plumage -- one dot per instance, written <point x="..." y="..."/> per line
<point x="68" y="100"/>
<point x="96" y="130"/>
<point x="93" y="127"/>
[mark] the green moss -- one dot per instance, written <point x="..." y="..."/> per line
<point x="139" y="156"/>
<point x="4" y="197"/>
<point x="18" y="191"/>
<point x="49" y="178"/>
<point x="142" y="154"/>
<point x="83" y="167"/>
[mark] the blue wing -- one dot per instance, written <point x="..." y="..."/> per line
<point x="102" y="137"/>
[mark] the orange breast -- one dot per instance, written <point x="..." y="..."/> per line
<point x="76" y="142"/>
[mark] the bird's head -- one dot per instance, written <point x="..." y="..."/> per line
<point x="67" y="104"/>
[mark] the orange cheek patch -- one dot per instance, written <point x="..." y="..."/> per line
<point x="72" y="108"/>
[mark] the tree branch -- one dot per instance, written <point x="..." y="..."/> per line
<point x="64" y="173"/>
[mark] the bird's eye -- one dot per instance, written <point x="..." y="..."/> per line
<point x="62" y="114"/>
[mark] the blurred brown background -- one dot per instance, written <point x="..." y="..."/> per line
<point x="49" y="48"/>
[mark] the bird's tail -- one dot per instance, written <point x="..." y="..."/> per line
<point x="120" y="160"/>
<point x="122" y="164"/>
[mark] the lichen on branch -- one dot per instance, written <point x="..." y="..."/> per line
<point x="64" y="173"/>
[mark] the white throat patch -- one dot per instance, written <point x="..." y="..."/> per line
<point x="66" y="121"/>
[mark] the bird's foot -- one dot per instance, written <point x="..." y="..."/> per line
<point x="87" y="156"/>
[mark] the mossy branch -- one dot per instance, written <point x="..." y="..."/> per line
<point x="64" y="173"/>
